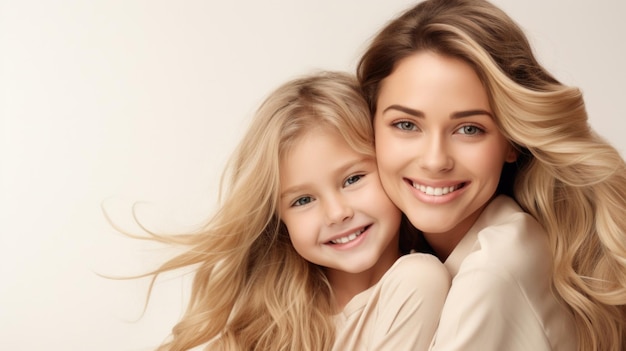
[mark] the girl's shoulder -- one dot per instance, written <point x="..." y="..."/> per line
<point x="415" y="271"/>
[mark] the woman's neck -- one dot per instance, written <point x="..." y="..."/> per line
<point x="445" y="242"/>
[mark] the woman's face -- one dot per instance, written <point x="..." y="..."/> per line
<point x="440" y="153"/>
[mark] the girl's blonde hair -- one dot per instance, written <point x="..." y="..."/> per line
<point x="567" y="177"/>
<point x="251" y="289"/>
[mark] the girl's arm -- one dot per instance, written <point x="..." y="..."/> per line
<point x="412" y="295"/>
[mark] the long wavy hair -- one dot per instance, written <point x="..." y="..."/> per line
<point x="251" y="289"/>
<point x="567" y="177"/>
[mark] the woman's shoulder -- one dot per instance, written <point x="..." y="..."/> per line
<point x="511" y="244"/>
<point x="504" y="228"/>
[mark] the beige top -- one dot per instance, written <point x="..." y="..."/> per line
<point x="501" y="296"/>
<point x="400" y="312"/>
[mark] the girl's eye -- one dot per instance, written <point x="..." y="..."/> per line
<point x="353" y="179"/>
<point x="405" y="125"/>
<point x="470" y="130"/>
<point x="302" y="201"/>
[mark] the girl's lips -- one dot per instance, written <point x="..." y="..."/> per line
<point x="348" y="238"/>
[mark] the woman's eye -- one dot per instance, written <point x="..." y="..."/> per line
<point x="352" y="179"/>
<point x="405" y="125"/>
<point x="470" y="130"/>
<point x="302" y="201"/>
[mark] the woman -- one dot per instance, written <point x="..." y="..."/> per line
<point x="493" y="160"/>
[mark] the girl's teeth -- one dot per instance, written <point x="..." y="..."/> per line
<point x="347" y="239"/>
<point x="428" y="190"/>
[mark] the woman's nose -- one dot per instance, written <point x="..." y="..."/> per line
<point x="435" y="156"/>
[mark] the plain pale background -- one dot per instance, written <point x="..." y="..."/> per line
<point x="112" y="102"/>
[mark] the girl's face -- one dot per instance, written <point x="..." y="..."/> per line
<point x="440" y="153"/>
<point x="335" y="209"/>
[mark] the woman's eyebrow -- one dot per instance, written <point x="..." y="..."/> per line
<point x="410" y="111"/>
<point x="420" y="114"/>
<point x="469" y="113"/>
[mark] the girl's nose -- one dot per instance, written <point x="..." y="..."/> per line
<point x="337" y="210"/>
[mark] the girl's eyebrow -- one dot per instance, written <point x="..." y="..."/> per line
<point x="293" y="190"/>
<point x="454" y="115"/>
<point x="352" y="163"/>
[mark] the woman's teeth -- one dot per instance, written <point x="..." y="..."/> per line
<point x="429" y="190"/>
<point x="349" y="238"/>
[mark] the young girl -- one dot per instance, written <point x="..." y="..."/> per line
<point x="300" y="254"/>
<point x="465" y="118"/>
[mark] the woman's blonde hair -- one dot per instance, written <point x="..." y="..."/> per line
<point x="567" y="177"/>
<point x="251" y="289"/>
